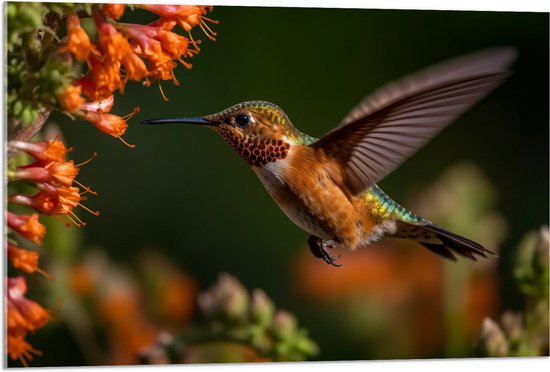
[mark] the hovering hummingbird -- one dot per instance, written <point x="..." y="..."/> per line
<point x="327" y="186"/>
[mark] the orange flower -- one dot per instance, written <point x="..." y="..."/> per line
<point x="128" y="329"/>
<point x="187" y="16"/>
<point x="56" y="200"/>
<point x="70" y="98"/>
<point x="134" y="66"/>
<point x="81" y="280"/>
<point x="104" y="105"/>
<point x="160" y="60"/>
<point x="20" y="349"/>
<point x="62" y="172"/>
<point x="176" y="298"/>
<point x="113" y="44"/>
<point x="51" y="201"/>
<point x="110" y="124"/>
<point x="114" y="11"/>
<point x="40" y="202"/>
<point x="67" y="196"/>
<point x="53" y="172"/>
<point x="24" y="315"/>
<point x="161" y="65"/>
<point x="106" y="78"/>
<point x="145" y="36"/>
<point x="78" y="42"/>
<point x="175" y="44"/>
<point x="45" y="151"/>
<point x="22" y="259"/>
<point x="27" y="226"/>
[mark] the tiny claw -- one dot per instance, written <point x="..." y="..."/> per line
<point x="319" y="247"/>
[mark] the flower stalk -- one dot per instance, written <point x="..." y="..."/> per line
<point x="77" y="75"/>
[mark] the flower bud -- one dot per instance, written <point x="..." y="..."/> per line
<point x="261" y="308"/>
<point x="493" y="342"/>
<point x="284" y="325"/>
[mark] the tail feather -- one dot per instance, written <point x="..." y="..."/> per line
<point x="441" y="241"/>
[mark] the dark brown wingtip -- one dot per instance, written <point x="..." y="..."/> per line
<point x="456" y="243"/>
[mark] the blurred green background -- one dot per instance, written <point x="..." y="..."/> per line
<point x="183" y="192"/>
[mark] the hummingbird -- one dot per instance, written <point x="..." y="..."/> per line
<point x="328" y="186"/>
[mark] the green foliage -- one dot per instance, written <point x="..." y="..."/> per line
<point x="230" y="314"/>
<point x="23" y="18"/>
<point x="236" y="326"/>
<point x="36" y="71"/>
<point x="524" y="333"/>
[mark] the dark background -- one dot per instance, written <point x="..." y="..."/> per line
<point x="182" y="191"/>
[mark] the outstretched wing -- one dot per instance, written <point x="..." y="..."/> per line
<point x="390" y="125"/>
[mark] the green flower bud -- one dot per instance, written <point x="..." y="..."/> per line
<point x="512" y="325"/>
<point x="261" y="308"/>
<point x="543" y="247"/>
<point x="493" y="342"/>
<point x="28" y="115"/>
<point x="226" y="298"/>
<point x="284" y="325"/>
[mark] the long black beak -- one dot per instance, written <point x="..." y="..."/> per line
<point x="186" y="120"/>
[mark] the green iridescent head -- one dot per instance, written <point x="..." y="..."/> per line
<point x="259" y="131"/>
<point x="254" y="120"/>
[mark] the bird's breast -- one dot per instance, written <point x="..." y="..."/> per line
<point x="291" y="203"/>
<point x="306" y="188"/>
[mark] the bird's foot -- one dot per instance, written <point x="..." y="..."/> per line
<point x="319" y="248"/>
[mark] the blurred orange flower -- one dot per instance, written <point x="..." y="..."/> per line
<point x="114" y="11"/>
<point x="23" y="259"/>
<point x="24" y="316"/>
<point x="407" y="282"/>
<point x="27" y="226"/>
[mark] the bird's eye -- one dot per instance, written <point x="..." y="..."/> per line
<point x="242" y="120"/>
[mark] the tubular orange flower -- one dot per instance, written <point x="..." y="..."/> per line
<point x="61" y="199"/>
<point x="101" y="106"/>
<point x="134" y="66"/>
<point x="147" y="36"/>
<point x="114" y="11"/>
<point x="24" y="315"/>
<point x="27" y="226"/>
<point x="106" y="78"/>
<point x="51" y="200"/>
<point x="23" y="259"/>
<point x="78" y="42"/>
<point x="113" y="44"/>
<point x="69" y="197"/>
<point x="20" y="349"/>
<point x="110" y="124"/>
<point x="40" y="202"/>
<point x="34" y="172"/>
<point x="161" y="64"/>
<point x="45" y="151"/>
<point x="187" y="16"/>
<point x="62" y="172"/>
<point x="52" y="172"/>
<point x="175" y="44"/>
<point x="70" y="98"/>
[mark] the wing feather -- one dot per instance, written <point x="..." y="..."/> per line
<point x="390" y="125"/>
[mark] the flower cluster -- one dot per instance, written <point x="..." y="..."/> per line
<point x="24" y="316"/>
<point x="526" y="332"/>
<point x="236" y="326"/>
<point x="78" y="75"/>
<point x="53" y="178"/>
<point x="126" y="52"/>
